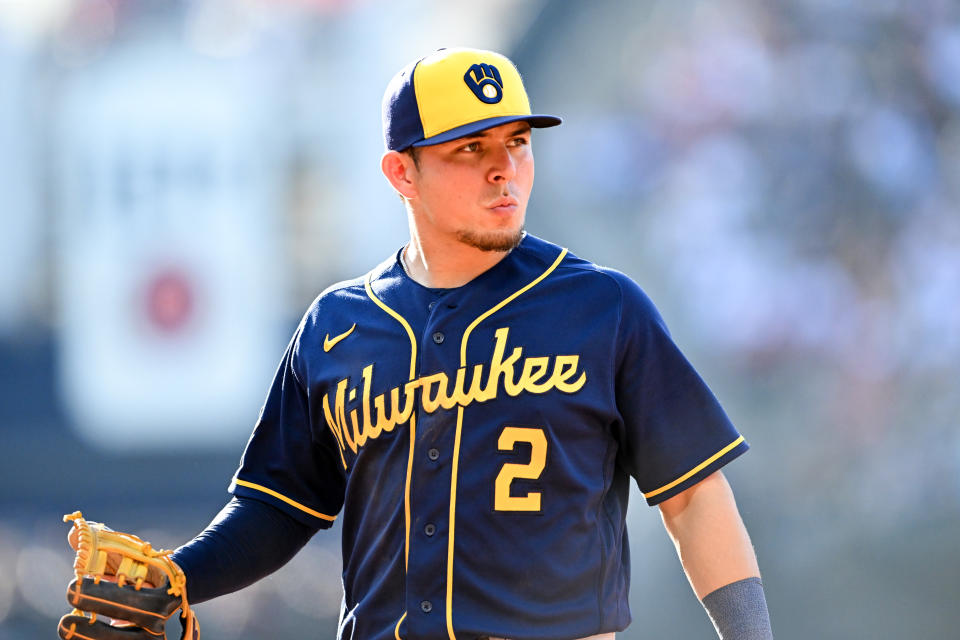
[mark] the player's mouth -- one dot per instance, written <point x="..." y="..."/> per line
<point x="504" y="205"/>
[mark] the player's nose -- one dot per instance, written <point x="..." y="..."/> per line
<point x="503" y="166"/>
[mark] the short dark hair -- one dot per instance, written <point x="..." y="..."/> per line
<point x="414" y="153"/>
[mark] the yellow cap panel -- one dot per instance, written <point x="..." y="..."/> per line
<point x="457" y="87"/>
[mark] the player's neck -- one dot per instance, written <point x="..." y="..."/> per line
<point x="446" y="265"/>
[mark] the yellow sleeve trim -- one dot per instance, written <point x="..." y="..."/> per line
<point x="696" y="469"/>
<point x="294" y="503"/>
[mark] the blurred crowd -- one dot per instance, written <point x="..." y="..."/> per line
<point x="782" y="178"/>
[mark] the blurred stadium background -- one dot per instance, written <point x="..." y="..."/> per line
<point x="179" y="179"/>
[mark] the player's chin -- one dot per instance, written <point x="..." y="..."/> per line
<point x="492" y="240"/>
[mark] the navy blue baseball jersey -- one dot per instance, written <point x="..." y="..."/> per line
<point x="478" y="443"/>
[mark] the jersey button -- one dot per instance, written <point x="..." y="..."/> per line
<point x="426" y="606"/>
<point x="438" y="337"/>
<point x="432" y="305"/>
<point x="430" y="529"/>
<point x="433" y="454"/>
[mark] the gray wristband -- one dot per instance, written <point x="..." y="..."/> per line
<point x="739" y="611"/>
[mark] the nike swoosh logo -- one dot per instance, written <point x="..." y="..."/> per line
<point x="329" y="343"/>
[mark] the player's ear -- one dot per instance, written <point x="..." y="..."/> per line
<point x="399" y="169"/>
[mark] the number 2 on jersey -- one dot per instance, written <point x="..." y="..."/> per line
<point x="509" y="437"/>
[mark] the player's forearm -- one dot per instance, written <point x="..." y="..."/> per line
<point x="710" y="536"/>
<point x="247" y="541"/>
<point x="718" y="558"/>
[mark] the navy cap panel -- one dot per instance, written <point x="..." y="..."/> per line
<point x="400" y="113"/>
<point x="536" y="120"/>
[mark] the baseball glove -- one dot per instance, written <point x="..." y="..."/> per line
<point x="124" y="589"/>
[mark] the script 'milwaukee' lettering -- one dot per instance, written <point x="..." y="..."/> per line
<point x="513" y="373"/>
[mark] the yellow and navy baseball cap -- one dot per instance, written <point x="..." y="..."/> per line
<point x="452" y="93"/>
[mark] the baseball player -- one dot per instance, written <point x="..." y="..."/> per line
<point x="474" y="409"/>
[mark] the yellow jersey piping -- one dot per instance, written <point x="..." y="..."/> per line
<point x="293" y="503"/>
<point x="696" y="469"/>
<point x="396" y="630"/>
<point x="396" y="316"/>
<point x="502" y="304"/>
<point x="413" y="428"/>
<point x="456" y="441"/>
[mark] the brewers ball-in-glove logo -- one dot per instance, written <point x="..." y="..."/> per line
<point x="484" y="80"/>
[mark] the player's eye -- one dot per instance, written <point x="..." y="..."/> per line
<point x="519" y="141"/>
<point x="471" y="147"/>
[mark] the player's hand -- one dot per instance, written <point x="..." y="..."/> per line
<point x="123" y="589"/>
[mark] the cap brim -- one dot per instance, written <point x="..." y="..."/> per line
<point x="538" y="121"/>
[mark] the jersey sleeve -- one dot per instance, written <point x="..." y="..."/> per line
<point x="674" y="432"/>
<point x="286" y="462"/>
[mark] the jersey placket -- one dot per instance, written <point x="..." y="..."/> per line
<point x="431" y="479"/>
